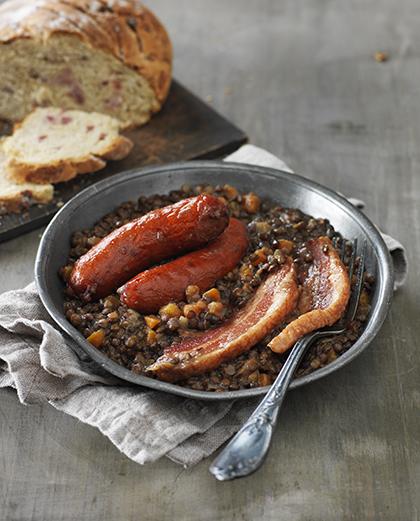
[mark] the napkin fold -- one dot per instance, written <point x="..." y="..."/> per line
<point x="46" y="366"/>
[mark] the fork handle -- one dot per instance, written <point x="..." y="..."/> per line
<point x="247" y="450"/>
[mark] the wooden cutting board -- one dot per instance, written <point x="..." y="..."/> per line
<point x="186" y="128"/>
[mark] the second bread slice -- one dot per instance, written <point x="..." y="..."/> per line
<point x="15" y="198"/>
<point x="52" y="145"/>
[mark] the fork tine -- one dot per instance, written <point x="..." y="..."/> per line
<point x="343" y="250"/>
<point x="353" y="258"/>
<point x="357" y="289"/>
<point x="340" y="245"/>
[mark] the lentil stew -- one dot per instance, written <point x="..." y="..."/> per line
<point x="136" y="340"/>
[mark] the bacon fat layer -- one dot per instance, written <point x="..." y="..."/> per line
<point x="324" y="296"/>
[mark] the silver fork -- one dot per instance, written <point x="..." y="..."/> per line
<point x="247" y="450"/>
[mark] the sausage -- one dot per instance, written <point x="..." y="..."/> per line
<point x="158" y="235"/>
<point x="150" y="290"/>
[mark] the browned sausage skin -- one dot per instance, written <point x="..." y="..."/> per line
<point x="159" y="235"/>
<point x="151" y="289"/>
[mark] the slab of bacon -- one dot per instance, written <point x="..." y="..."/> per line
<point x="272" y="303"/>
<point x="324" y="295"/>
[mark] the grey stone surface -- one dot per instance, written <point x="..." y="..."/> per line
<point x="300" y="78"/>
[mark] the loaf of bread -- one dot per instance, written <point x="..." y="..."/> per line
<point x="107" y="56"/>
<point x="17" y="197"/>
<point x="53" y="145"/>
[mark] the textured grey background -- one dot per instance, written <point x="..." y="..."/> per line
<point x="300" y="78"/>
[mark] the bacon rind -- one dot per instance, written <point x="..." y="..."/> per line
<point x="325" y="293"/>
<point x="274" y="300"/>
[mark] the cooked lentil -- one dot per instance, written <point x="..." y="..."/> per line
<point x="135" y="341"/>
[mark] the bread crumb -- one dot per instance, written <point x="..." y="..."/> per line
<point x="209" y="98"/>
<point x="228" y="91"/>
<point x="381" y="56"/>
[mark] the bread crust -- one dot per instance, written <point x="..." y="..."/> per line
<point x="121" y="148"/>
<point x="55" y="172"/>
<point x="19" y="198"/>
<point x="64" y="170"/>
<point x="21" y="201"/>
<point x="13" y="204"/>
<point x="124" y="28"/>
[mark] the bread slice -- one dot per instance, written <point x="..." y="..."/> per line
<point x="107" y="56"/>
<point x="52" y="145"/>
<point x="15" y="197"/>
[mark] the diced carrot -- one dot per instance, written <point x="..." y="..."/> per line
<point x="97" y="338"/>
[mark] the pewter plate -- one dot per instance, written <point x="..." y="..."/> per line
<point x="286" y="189"/>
